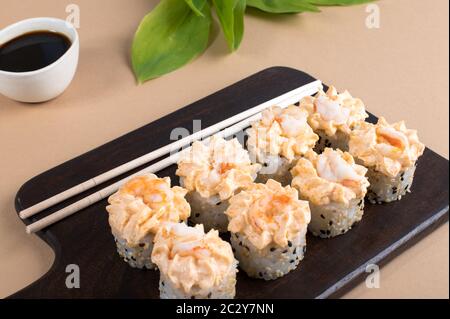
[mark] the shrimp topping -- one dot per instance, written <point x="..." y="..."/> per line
<point x="193" y="260"/>
<point x="143" y="204"/>
<point x="268" y="213"/>
<point x="219" y="168"/>
<point x="332" y="112"/>
<point x="387" y="148"/>
<point x="331" y="176"/>
<point x="283" y="132"/>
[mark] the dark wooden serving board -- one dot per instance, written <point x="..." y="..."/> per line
<point x="330" y="267"/>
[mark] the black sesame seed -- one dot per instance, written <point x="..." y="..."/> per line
<point x="284" y="251"/>
<point x="209" y="295"/>
<point x="295" y="251"/>
<point x="197" y="215"/>
<point x="141" y="245"/>
<point x="402" y="179"/>
<point x="297" y="104"/>
<point x="360" y="202"/>
<point x="247" y="248"/>
<point x="406" y="188"/>
<point x="272" y="249"/>
<point x="343" y="231"/>
<point x="162" y="283"/>
<point x="323" y="232"/>
<point x="289" y="243"/>
<point x="133" y="258"/>
<point x="331" y="223"/>
<point x="321" y="215"/>
<point x="240" y="243"/>
<point x="292" y="261"/>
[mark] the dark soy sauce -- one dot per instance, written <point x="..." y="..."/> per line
<point x="33" y="51"/>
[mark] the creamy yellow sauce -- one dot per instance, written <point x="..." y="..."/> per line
<point x="143" y="204"/>
<point x="282" y="132"/>
<point x="268" y="213"/>
<point x="219" y="168"/>
<point x="192" y="259"/>
<point x="331" y="111"/>
<point x="387" y="148"/>
<point x="332" y="176"/>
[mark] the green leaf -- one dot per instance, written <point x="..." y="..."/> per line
<point x="196" y="6"/>
<point x="170" y="36"/>
<point x="338" y="2"/>
<point x="231" y="17"/>
<point x="283" y="6"/>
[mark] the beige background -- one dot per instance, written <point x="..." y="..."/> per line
<point x="400" y="70"/>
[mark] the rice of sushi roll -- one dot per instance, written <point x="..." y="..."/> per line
<point x="335" y="187"/>
<point x="212" y="174"/>
<point x="278" y="140"/>
<point x="268" y="225"/>
<point x="332" y="116"/>
<point x="192" y="264"/>
<point x="137" y="211"/>
<point x="390" y="152"/>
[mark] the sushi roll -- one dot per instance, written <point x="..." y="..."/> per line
<point x="137" y="211"/>
<point x="335" y="187"/>
<point x="278" y="140"/>
<point x="268" y="225"/>
<point x="192" y="264"/>
<point x="213" y="173"/>
<point x="390" y="152"/>
<point x="332" y="116"/>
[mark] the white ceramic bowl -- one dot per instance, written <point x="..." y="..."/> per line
<point x="46" y="83"/>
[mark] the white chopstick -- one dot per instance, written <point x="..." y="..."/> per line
<point x="288" y="99"/>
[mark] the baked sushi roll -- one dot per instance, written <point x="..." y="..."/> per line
<point x="192" y="264"/>
<point x="138" y="210"/>
<point x="335" y="187"/>
<point x="213" y="173"/>
<point x="332" y="116"/>
<point x="278" y="140"/>
<point x="268" y="225"/>
<point x="390" y="152"/>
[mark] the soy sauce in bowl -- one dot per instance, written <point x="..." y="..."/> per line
<point x="33" y="51"/>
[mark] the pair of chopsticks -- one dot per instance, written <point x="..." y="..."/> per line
<point x="224" y="128"/>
